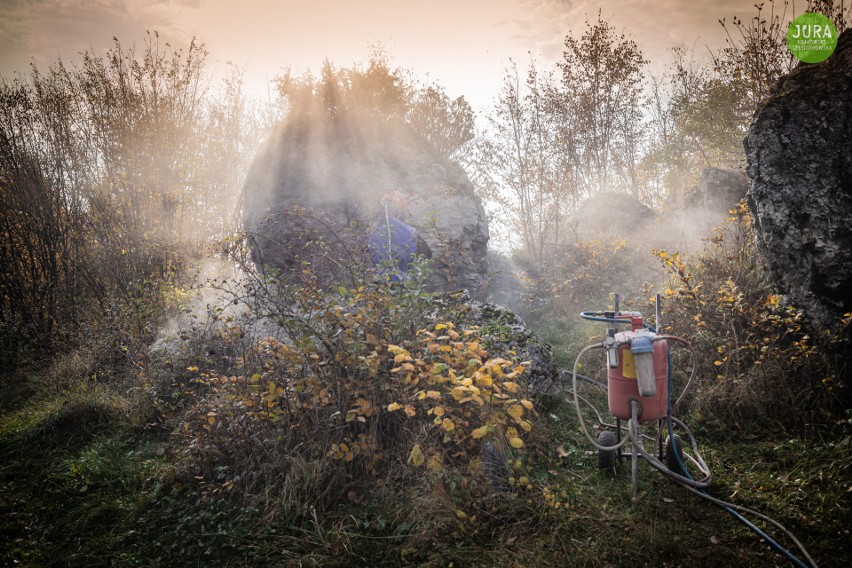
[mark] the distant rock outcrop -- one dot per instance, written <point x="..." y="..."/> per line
<point x="717" y="191"/>
<point x="608" y="216"/>
<point x="799" y="150"/>
<point x="333" y="170"/>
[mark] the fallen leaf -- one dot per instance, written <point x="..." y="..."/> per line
<point x="416" y="456"/>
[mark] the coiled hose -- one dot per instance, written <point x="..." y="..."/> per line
<point x="698" y="487"/>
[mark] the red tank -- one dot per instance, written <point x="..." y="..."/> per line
<point x="623" y="385"/>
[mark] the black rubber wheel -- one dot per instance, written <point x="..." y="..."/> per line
<point x="607" y="458"/>
<point x="671" y="457"/>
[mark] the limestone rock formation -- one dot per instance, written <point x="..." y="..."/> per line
<point x="717" y="191"/>
<point x="335" y="168"/>
<point x="799" y="150"/>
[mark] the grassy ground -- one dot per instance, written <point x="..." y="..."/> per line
<point x="87" y="479"/>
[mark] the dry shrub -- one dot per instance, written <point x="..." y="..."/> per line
<point x="759" y="365"/>
<point x="583" y="276"/>
<point x="368" y="392"/>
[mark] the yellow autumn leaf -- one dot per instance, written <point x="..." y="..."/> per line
<point x="394" y="406"/>
<point x="515" y="411"/>
<point x="434" y="464"/>
<point x="409" y="410"/>
<point x="480" y="432"/>
<point x="516" y="442"/>
<point x="510" y="386"/>
<point x="527" y="404"/>
<point x="448" y="425"/>
<point x="483" y="380"/>
<point x="416" y="456"/>
<point x="438" y="411"/>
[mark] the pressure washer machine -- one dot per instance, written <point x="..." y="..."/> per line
<point x="639" y="385"/>
<point x="639" y="390"/>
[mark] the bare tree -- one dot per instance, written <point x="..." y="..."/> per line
<point x="107" y="173"/>
<point x="524" y="163"/>
<point x="602" y="85"/>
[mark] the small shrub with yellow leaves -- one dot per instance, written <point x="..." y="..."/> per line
<point x="759" y="365"/>
<point x="351" y="399"/>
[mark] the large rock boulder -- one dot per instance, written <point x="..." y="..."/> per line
<point x="799" y="150"/>
<point x="321" y="176"/>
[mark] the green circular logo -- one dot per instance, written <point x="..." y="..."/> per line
<point x="812" y="37"/>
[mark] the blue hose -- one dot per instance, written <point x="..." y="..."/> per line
<point x="736" y="515"/>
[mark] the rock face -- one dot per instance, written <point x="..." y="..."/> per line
<point x="335" y="169"/>
<point x="799" y="150"/>
<point x="717" y="191"/>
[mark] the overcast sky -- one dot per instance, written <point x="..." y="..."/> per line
<point x="462" y="44"/>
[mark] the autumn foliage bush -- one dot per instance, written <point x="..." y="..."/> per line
<point x="355" y="391"/>
<point x="759" y="364"/>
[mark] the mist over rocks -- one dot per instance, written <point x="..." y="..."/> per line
<point x="612" y="215"/>
<point x="682" y="223"/>
<point x="717" y="191"/>
<point x="799" y="150"/>
<point x="338" y="167"/>
<point x="694" y="215"/>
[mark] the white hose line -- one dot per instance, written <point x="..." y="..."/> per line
<point x="689" y="346"/>
<point x="613" y="426"/>
<point x="769" y="520"/>
<point x="661" y="467"/>
<point x="577" y="403"/>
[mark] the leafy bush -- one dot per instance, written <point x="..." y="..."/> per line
<point x="761" y="366"/>
<point x="347" y="396"/>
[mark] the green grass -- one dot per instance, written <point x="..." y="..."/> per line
<point x="74" y="474"/>
<point x="86" y="481"/>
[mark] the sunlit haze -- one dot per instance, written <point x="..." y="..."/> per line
<point x="464" y="46"/>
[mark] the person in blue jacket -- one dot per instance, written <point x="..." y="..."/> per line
<point x="393" y="243"/>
